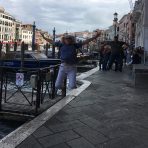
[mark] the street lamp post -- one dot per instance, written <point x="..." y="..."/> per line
<point x="53" y="46"/>
<point x="115" y="23"/>
<point x="33" y="36"/>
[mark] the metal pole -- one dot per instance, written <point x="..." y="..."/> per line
<point x="38" y="96"/>
<point x="22" y="54"/>
<point x="17" y="34"/>
<point x="64" y="88"/>
<point x="33" y="36"/>
<point x="46" y="47"/>
<point x="54" y="76"/>
<point x="53" y="46"/>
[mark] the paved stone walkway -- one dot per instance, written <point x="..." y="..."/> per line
<point x="111" y="113"/>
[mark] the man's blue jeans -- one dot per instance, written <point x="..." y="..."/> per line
<point x="66" y="71"/>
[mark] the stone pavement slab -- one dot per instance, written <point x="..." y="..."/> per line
<point x="91" y="135"/>
<point x="110" y="113"/>
<point x="80" y="143"/>
<point x="58" y="138"/>
<point x="30" y="142"/>
<point x="63" y="145"/>
<point x="65" y="126"/>
<point x="42" y="132"/>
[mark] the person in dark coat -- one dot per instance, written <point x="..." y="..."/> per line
<point x="117" y="55"/>
<point x="136" y="58"/>
<point x="106" y="53"/>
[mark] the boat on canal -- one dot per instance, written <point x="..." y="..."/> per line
<point x="30" y="60"/>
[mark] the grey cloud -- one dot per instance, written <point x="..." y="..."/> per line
<point x="71" y="15"/>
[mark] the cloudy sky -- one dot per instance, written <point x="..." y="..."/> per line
<point x="66" y="15"/>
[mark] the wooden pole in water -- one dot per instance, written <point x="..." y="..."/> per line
<point x="22" y="55"/>
<point x="33" y="37"/>
<point x="7" y="47"/>
<point x="46" y="48"/>
<point x="15" y="46"/>
<point x="1" y="46"/>
<point x="53" y="46"/>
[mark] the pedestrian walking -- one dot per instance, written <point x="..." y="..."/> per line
<point x="68" y="55"/>
<point x="106" y="55"/>
<point x="117" y="55"/>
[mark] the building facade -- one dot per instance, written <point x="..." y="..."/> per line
<point x="124" y="28"/>
<point x="18" y="31"/>
<point x="27" y="33"/>
<point x="12" y="30"/>
<point x="38" y="37"/>
<point x="140" y="15"/>
<point x="109" y="33"/>
<point x="7" y="26"/>
<point x="127" y="29"/>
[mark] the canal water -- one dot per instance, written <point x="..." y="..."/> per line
<point x="7" y="126"/>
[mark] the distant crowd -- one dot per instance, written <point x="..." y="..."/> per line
<point x="118" y="53"/>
